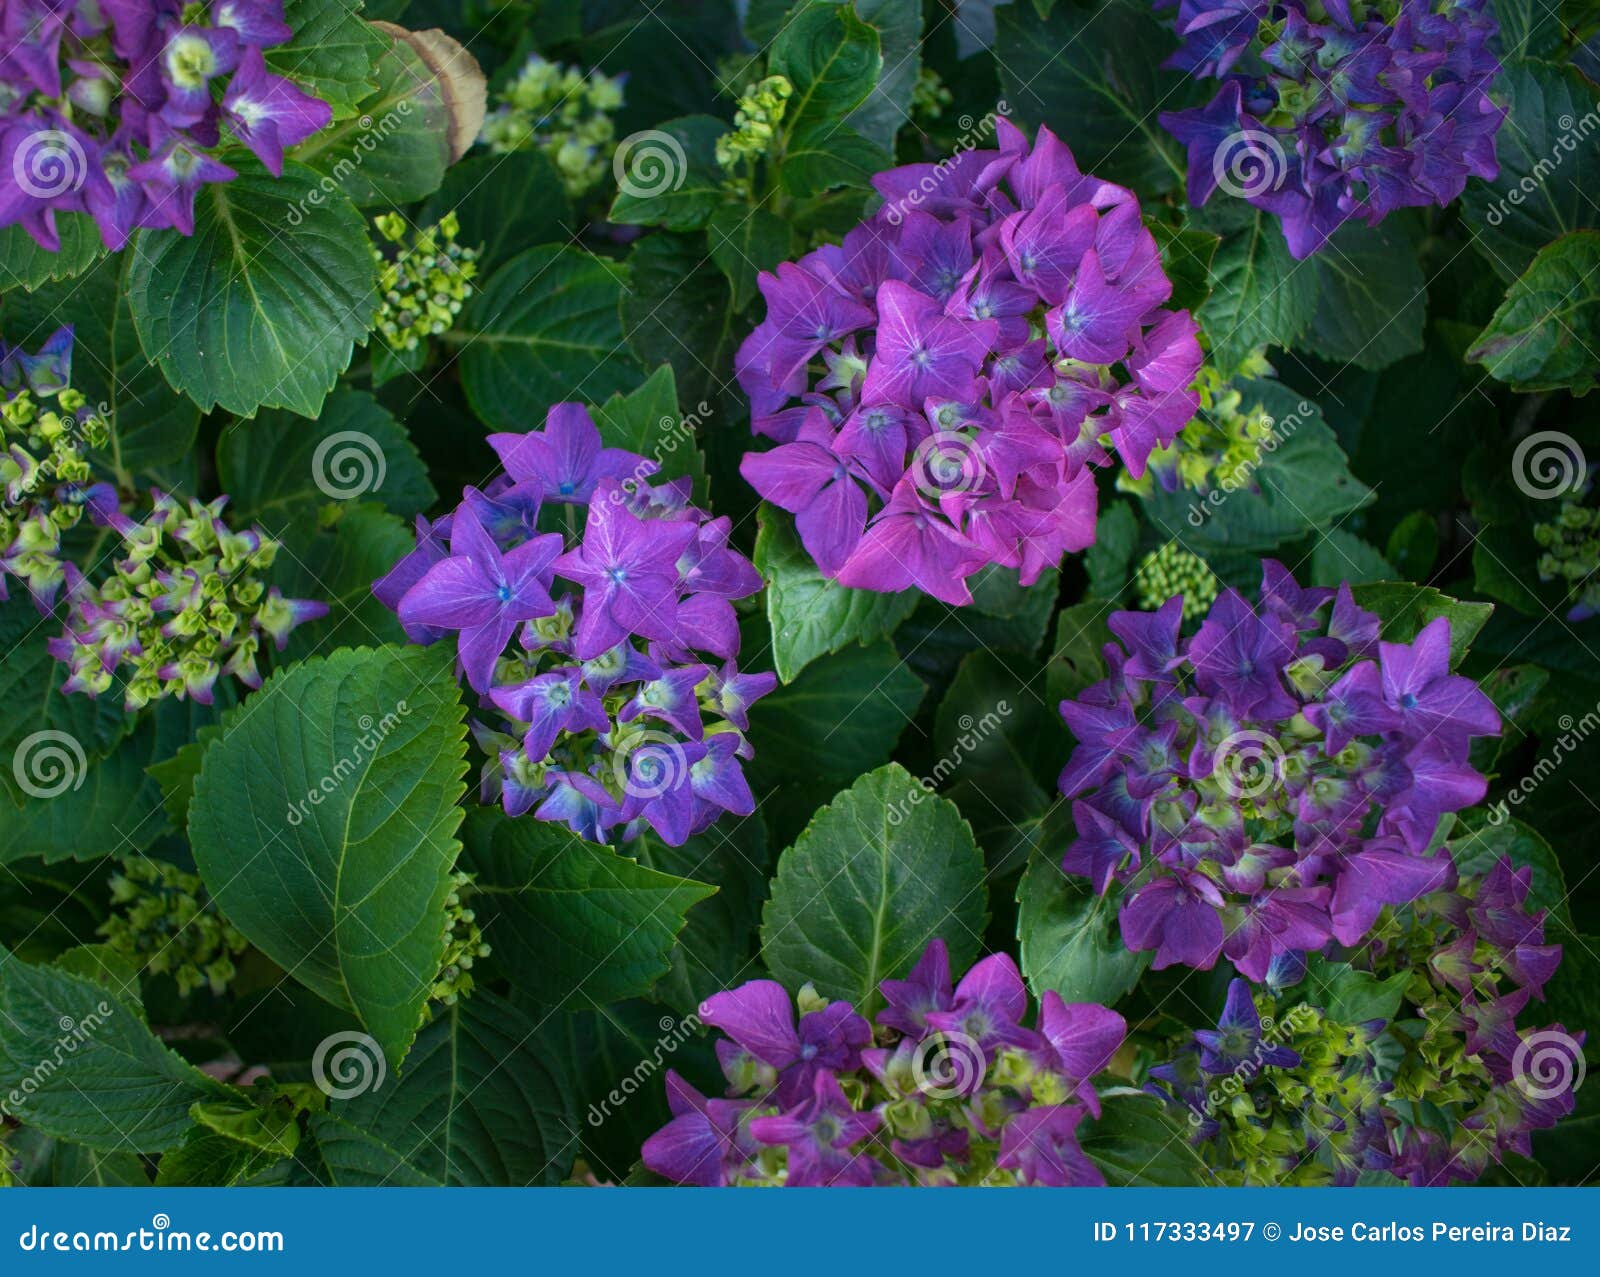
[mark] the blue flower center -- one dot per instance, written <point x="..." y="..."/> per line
<point x="567" y="487"/>
<point x="503" y="594"/>
<point x="1408" y="701"/>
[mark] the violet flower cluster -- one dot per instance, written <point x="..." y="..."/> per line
<point x="1269" y="784"/>
<point x="612" y="700"/>
<point x="185" y="603"/>
<point x="949" y="1088"/>
<point x="942" y="384"/>
<point x="1281" y="1093"/>
<point x="113" y="108"/>
<point x="1337" y="109"/>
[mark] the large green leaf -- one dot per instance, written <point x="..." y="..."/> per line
<point x="1371" y="297"/>
<point x="151" y="424"/>
<point x="1139" y="1142"/>
<point x="811" y="615"/>
<point x="1349" y="995"/>
<point x="77" y="1064"/>
<point x="678" y="309"/>
<point x="281" y="469"/>
<point x="646" y="421"/>
<point x="1547" y="331"/>
<point x="396" y="147"/>
<point x="1260" y="296"/>
<point x="744" y="242"/>
<point x="1403" y="609"/>
<point x="337" y="565"/>
<point x="263" y="304"/>
<point x="878" y="873"/>
<point x="543" y="330"/>
<point x="1549" y="156"/>
<point x="573" y="923"/>
<point x="831" y="58"/>
<point x="670" y="176"/>
<point x="23" y="264"/>
<point x="1070" y="939"/>
<point x="331" y="54"/>
<point x="899" y="27"/>
<point x="1096" y="80"/>
<point x="504" y="203"/>
<point x="481" y="1103"/>
<point x="323" y="823"/>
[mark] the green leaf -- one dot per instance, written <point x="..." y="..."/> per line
<point x="828" y="155"/>
<point x="1303" y="476"/>
<point x="331" y="54"/>
<point x="46" y="738"/>
<point x="23" y="264"/>
<point x="1075" y="661"/>
<point x="745" y="242"/>
<point x="878" y="873"/>
<point x="1371" y="298"/>
<point x="280" y="469"/>
<point x="1549" y="156"/>
<point x="811" y="615"/>
<point x="1187" y="255"/>
<point x="481" y="1103"/>
<point x="678" y="309"/>
<point x="1139" y="1142"/>
<point x="1260" y="296"/>
<point x="396" y="147"/>
<point x="832" y="59"/>
<point x="1528" y="28"/>
<point x="323" y="824"/>
<point x="1070" y="938"/>
<point x="646" y="421"/>
<point x="899" y="27"/>
<point x="573" y="923"/>
<point x="1403" y="609"/>
<point x="1488" y="835"/>
<point x="839" y="718"/>
<point x="77" y="1064"/>
<point x="338" y="565"/>
<point x="1340" y="556"/>
<point x="152" y="425"/>
<point x="670" y="176"/>
<point x="1414" y="545"/>
<point x="1349" y="996"/>
<point x="1545" y="333"/>
<point x="543" y="330"/>
<point x="262" y="305"/>
<point x="208" y="1160"/>
<point x="1096" y="78"/>
<point x="504" y="203"/>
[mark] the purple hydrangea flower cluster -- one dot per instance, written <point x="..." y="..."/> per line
<point x="942" y="383"/>
<point x="112" y="107"/>
<point x="950" y="1088"/>
<point x="1270" y="783"/>
<point x="1337" y="109"/>
<point x="1445" y="1088"/>
<point x="184" y="605"/>
<point x="614" y="702"/>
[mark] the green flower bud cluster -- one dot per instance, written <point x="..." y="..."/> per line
<point x="46" y="433"/>
<point x="929" y="97"/>
<point x="463" y="945"/>
<point x="185" y="604"/>
<point x="164" y="918"/>
<point x="425" y="284"/>
<point x="1172" y="570"/>
<point x="755" y="123"/>
<point x="1220" y="447"/>
<point x="563" y="112"/>
<point x="1571" y="554"/>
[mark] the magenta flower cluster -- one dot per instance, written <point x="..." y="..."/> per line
<point x="1269" y="784"/>
<point x="942" y="384"/>
<point x="613" y="700"/>
<point x="1337" y="110"/>
<point x="949" y="1088"/>
<point x="113" y="107"/>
